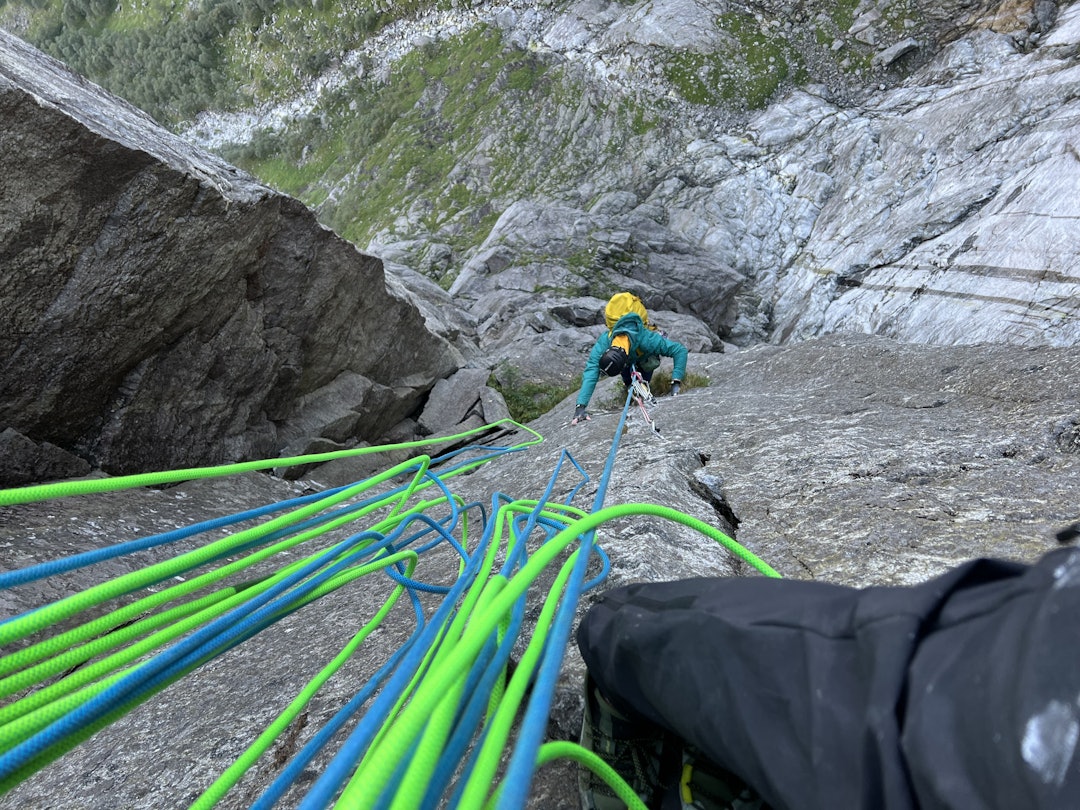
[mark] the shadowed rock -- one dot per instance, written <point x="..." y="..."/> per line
<point x="162" y="309"/>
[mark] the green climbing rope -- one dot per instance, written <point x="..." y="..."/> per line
<point x="51" y="682"/>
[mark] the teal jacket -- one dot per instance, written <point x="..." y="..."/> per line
<point x="644" y="344"/>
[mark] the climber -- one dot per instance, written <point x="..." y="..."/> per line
<point x="628" y="344"/>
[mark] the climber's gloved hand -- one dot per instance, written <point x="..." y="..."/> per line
<point x="675" y="387"/>
<point x="580" y="415"/>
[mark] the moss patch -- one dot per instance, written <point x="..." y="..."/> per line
<point x="746" y="74"/>
<point x="526" y="399"/>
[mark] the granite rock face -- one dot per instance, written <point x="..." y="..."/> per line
<point x="917" y="187"/>
<point x="162" y="309"/>
<point x="935" y="213"/>
<point x="929" y="200"/>
<point x="945" y="217"/>
<point x="849" y="459"/>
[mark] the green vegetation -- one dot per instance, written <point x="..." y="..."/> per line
<point x="372" y="150"/>
<point x="581" y="259"/>
<point x="399" y="140"/>
<point x="841" y="16"/>
<point x="174" y="59"/>
<point x="524" y="78"/>
<point x="457" y="129"/>
<point x="527" y="399"/>
<point x="746" y="76"/>
<point x="842" y="13"/>
<point x="641" y="122"/>
<point x="170" y="65"/>
<point x="660" y="385"/>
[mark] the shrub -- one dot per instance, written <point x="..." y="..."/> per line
<point x="660" y="385"/>
<point x="528" y="399"/>
<point x="661" y="382"/>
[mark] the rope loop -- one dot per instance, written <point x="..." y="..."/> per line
<point x="434" y="721"/>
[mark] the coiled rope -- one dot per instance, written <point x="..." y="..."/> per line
<point x="431" y="724"/>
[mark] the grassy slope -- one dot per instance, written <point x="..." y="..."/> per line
<point x="461" y="127"/>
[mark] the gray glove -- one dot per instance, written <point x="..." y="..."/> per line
<point x="580" y="415"/>
<point x="675" y="387"/>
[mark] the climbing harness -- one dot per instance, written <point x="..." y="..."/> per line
<point x="434" y="723"/>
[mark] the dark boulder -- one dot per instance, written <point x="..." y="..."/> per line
<point x="160" y="308"/>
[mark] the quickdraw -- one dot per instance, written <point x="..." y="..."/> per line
<point x="643" y="398"/>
